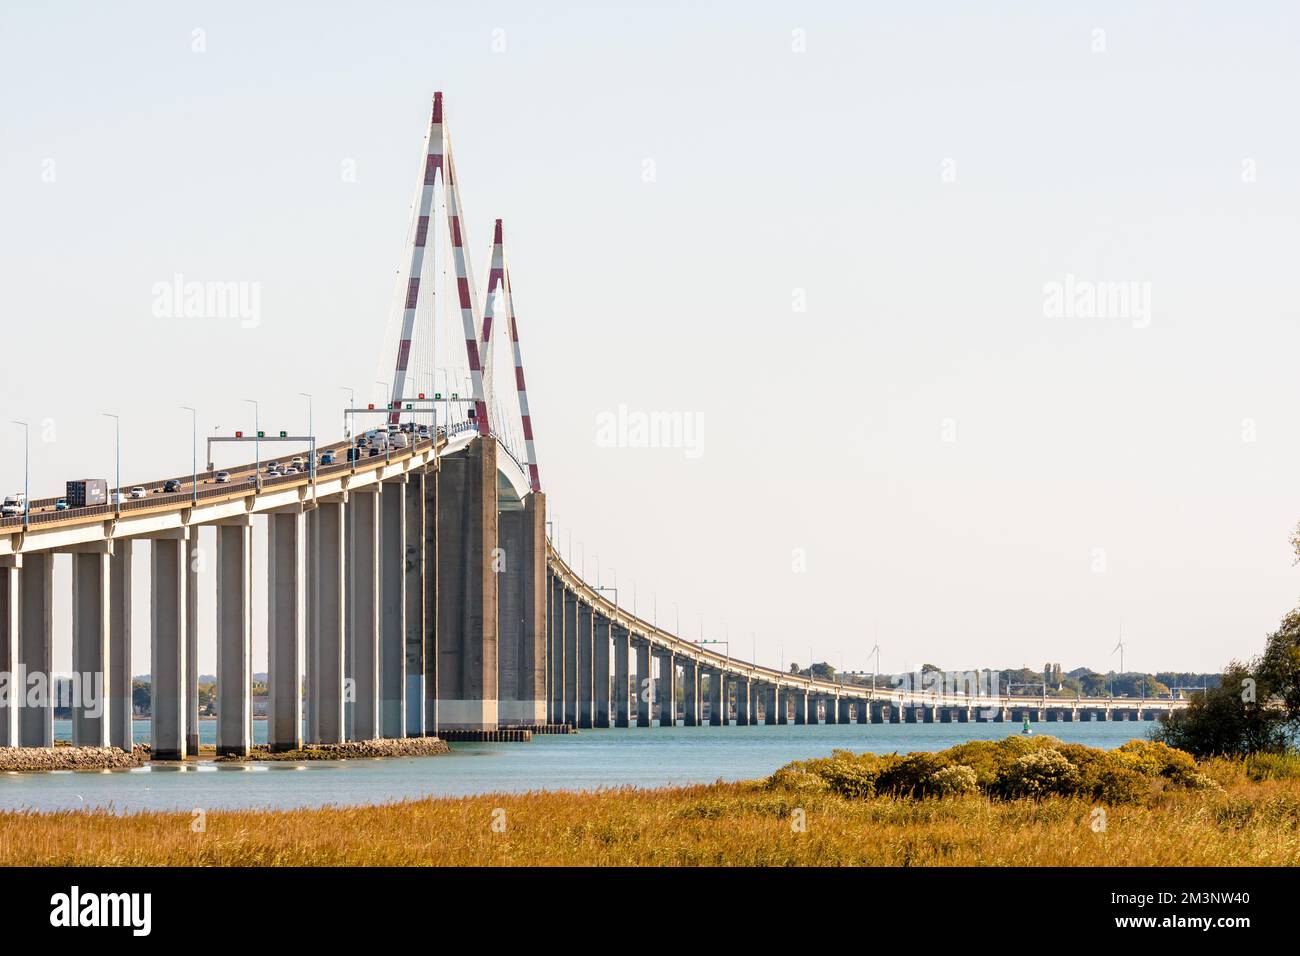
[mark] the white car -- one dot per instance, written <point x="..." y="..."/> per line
<point x="137" y="492"/>
<point x="291" y="470"/>
<point x="223" y="477"/>
<point x="13" y="505"/>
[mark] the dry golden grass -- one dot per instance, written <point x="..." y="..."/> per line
<point x="742" y="824"/>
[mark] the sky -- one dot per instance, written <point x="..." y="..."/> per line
<point x="979" y="325"/>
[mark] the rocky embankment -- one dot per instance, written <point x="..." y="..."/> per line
<point x="36" y="759"/>
<point x="353" y="749"/>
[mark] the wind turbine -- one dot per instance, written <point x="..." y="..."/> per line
<point x="1118" y="647"/>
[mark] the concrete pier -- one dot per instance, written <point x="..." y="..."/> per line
<point x="194" y="561"/>
<point x="717" y="699"/>
<point x="557" y="670"/>
<point x="522" y="598"/>
<point x="36" y="648"/>
<point x="327" y="570"/>
<point x="234" y="637"/>
<point x="167" y="668"/>
<point x="586" y="666"/>
<point x="772" y="703"/>
<point x="690" y="693"/>
<point x="645" y="683"/>
<point x="286" y="629"/>
<point x="10" y="627"/>
<point x="363" y="612"/>
<point x="467" y="588"/>
<point x="743" y="715"/>
<point x="121" y="705"/>
<point x="392" y="609"/>
<point x="570" y="659"/>
<point x="432" y="480"/>
<point x="600" y="671"/>
<point x="91" y="587"/>
<point x="667" y="689"/>
<point x="622" y="682"/>
<point x="412" y="677"/>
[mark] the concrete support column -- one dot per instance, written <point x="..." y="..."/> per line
<point x="800" y="706"/>
<point x="468" y="535"/>
<point x="522" y="598"/>
<point x="842" y="710"/>
<point x="430" y="584"/>
<point x="121" y="706"/>
<point x="363" y="611"/>
<point x="586" y="666"/>
<point x="645" y="684"/>
<point x="717" y="699"/>
<point x="234" y="638"/>
<point x="194" y="560"/>
<point x="622" y="683"/>
<point x="558" y="669"/>
<point x="10" y="618"/>
<point x="600" y="671"/>
<point x="392" y="609"/>
<point x="783" y="707"/>
<point x="690" y="693"/>
<point x="571" y="695"/>
<point x="91" y="598"/>
<point x="167" y="667"/>
<point x="327" y="524"/>
<point x="771" y="705"/>
<point x="743" y="716"/>
<point x="863" y="711"/>
<point x="286" y="628"/>
<point x="413" y="676"/>
<point x="36" y="646"/>
<point x="667" y="690"/>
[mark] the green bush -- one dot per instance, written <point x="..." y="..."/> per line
<point x="1273" y="766"/>
<point x="1039" y="773"/>
<point x="954" y="780"/>
<point x="911" y="776"/>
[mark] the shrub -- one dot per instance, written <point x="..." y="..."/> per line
<point x="1273" y="766"/>
<point x="954" y="780"/>
<point x="911" y="776"/>
<point x="1155" y="759"/>
<point x="1040" y="773"/>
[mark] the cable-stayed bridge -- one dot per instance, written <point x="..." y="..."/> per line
<point x="409" y="573"/>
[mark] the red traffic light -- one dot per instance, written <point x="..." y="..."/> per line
<point x="239" y="434"/>
<point x="371" y="406"/>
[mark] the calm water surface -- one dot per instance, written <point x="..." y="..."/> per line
<point x="643" y="757"/>
<point x="594" y="758"/>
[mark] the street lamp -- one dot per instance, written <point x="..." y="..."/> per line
<point x="352" y="403"/>
<point x="117" y="428"/>
<point x="257" y="444"/>
<point x="311" y="463"/>
<point x="194" y="453"/>
<point x="27" y="448"/>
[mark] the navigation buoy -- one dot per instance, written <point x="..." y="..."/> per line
<point x="1026" y="729"/>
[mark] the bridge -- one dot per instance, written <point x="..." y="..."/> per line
<point x="410" y="578"/>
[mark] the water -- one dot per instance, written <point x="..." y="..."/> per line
<point x="643" y="757"/>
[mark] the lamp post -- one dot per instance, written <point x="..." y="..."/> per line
<point x="311" y="462"/>
<point x="27" y="448"/>
<point x="352" y="403"/>
<point x="194" y="453"/>
<point x="257" y="444"/>
<point x="117" y="429"/>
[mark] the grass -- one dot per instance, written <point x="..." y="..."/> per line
<point x="1250" y="817"/>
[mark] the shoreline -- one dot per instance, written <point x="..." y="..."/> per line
<point x="64" y="757"/>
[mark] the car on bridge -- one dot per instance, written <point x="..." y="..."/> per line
<point x="223" y="477"/>
<point x="327" y="458"/>
<point x="13" y="505"/>
<point x="171" y="485"/>
<point x="61" y="504"/>
<point x="137" y="492"/>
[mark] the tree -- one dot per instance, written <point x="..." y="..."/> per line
<point x="1255" y="708"/>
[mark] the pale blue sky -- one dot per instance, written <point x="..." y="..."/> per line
<point x="919" y="175"/>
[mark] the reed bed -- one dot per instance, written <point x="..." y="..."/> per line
<point x="1244" y="822"/>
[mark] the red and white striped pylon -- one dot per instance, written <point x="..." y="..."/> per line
<point x="465" y="292"/>
<point x="499" y="277"/>
<point x="432" y="165"/>
<point x="438" y="158"/>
